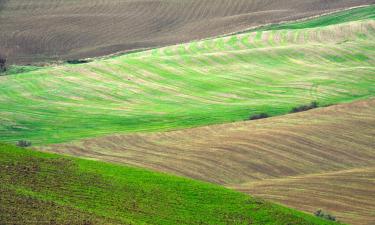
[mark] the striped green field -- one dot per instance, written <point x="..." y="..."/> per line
<point x="200" y="83"/>
<point x="355" y="14"/>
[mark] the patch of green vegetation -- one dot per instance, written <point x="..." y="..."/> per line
<point x="45" y="188"/>
<point x="200" y="83"/>
<point x="16" y="69"/>
<point x="356" y="14"/>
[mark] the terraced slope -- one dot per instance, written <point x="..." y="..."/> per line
<point x="40" y="30"/>
<point x="38" y="188"/>
<point x="348" y="194"/>
<point x="327" y="139"/>
<point x="200" y="83"/>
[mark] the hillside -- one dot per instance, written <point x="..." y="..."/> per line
<point x="45" y="30"/>
<point x="283" y="112"/>
<point x="39" y="188"/>
<point x="201" y="83"/>
<point x="334" y="138"/>
<point x="325" y="149"/>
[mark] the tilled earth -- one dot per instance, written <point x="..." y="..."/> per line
<point x="49" y="30"/>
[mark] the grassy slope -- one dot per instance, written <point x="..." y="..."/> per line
<point x="212" y="81"/>
<point x="341" y="17"/>
<point x="40" y="188"/>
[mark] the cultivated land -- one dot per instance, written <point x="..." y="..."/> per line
<point x="322" y="158"/>
<point x="349" y="194"/>
<point x="335" y="138"/>
<point x="200" y="83"/>
<point x="260" y="157"/>
<point x="45" y="30"/>
<point x="39" y="188"/>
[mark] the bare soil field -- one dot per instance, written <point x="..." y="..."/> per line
<point x="348" y="194"/>
<point x="49" y="30"/>
<point x="315" y="144"/>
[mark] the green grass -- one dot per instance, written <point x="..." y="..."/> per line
<point x="37" y="187"/>
<point x="207" y="82"/>
<point x="350" y="15"/>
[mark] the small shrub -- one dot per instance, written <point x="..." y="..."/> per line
<point x="324" y="215"/>
<point x="259" y="116"/>
<point x="23" y="143"/>
<point x="3" y="62"/>
<point x="77" y="61"/>
<point x="302" y="108"/>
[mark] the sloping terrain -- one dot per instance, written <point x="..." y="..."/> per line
<point x="259" y="157"/>
<point x="348" y="194"/>
<point x="322" y="158"/>
<point x="45" y="30"/>
<point x="207" y="82"/>
<point x="39" y="188"/>
<point x="327" y="139"/>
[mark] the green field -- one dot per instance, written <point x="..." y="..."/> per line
<point x="205" y="82"/>
<point x="356" y="14"/>
<point x="44" y="188"/>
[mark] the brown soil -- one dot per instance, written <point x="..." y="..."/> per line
<point x="45" y="30"/>
<point x="349" y="195"/>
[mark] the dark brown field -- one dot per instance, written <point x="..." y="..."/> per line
<point x="49" y="30"/>
<point x="320" y="142"/>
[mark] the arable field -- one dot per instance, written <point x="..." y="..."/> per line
<point x="39" y="188"/>
<point x="335" y="138"/>
<point x="319" y="159"/>
<point x="284" y="112"/>
<point x="200" y="83"/>
<point x="348" y="194"/>
<point x="50" y="30"/>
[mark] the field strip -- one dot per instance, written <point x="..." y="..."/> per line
<point x="348" y="194"/>
<point x="322" y="140"/>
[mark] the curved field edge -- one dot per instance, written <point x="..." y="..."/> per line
<point x="327" y="139"/>
<point x="201" y="83"/>
<point x="291" y="159"/>
<point x="343" y="16"/>
<point x="77" y="191"/>
<point x="48" y="30"/>
<point x="347" y="194"/>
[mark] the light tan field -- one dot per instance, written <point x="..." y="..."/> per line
<point x="348" y="194"/>
<point x="45" y="30"/>
<point x="315" y="145"/>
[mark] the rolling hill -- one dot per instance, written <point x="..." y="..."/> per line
<point x="334" y="138"/>
<point x="200" y="83"/>
<point x="50" y="30"/>
<point x="185" y="110"/>
<point x="39" y="188"/>
<point x="321" y="158"/>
